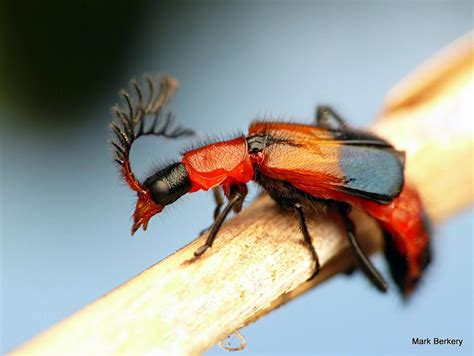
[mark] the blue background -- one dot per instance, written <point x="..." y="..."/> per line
<point x="65" y="216"/>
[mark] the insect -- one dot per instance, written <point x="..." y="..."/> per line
<point x="302" y="167"/>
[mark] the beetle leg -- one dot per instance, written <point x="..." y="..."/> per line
<point x="243" y="190"/>
<point x="364" y="262"/>
<point x="216" y="192"/>
<point x="323" y="115"/>
<point x="307" y="238"/>
<point x="234" y="199"/>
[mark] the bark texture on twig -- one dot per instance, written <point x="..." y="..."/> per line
<point x="259" y="261"/>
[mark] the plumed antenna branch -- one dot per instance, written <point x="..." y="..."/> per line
<point x="132" y="122"/>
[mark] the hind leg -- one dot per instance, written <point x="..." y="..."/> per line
<point x="364" y="262"/>
<point x="324" y="114"/>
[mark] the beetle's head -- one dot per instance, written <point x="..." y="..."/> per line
<point x="160" y="189"/>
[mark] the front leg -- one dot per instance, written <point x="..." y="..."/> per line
<point x="219" y="200"/>
<point x="236" y="198"/>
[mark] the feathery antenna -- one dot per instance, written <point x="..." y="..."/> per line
<point x="131" y="122"/>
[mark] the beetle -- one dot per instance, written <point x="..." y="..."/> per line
<point x="303" y="167"/>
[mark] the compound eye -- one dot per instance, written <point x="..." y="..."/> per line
<point x="160" y="191"/>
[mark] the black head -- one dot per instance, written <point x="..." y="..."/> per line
<point x="168" y="185"/>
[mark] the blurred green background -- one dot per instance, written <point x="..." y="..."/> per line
<point x="65" y="216"/>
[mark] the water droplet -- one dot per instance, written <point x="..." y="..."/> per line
<point x="233" y="342"/>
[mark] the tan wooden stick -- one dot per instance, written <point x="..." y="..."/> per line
<point x="258" y="262"/>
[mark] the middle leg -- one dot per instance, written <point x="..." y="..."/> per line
<point x="307" y="238"/>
